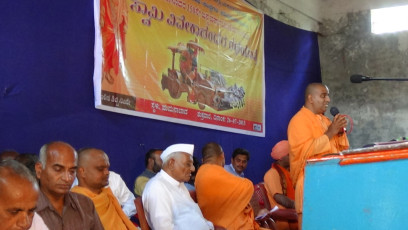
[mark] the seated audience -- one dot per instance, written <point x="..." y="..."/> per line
<point x="60" y="208"/>
<point x="8" y="154"/>
<point x="223" y="198"/>
<point x="166" y="200"/>
<point x="93" y="177"/>
<point x="18" y="198"/>
<point x="239" y="162"/>
<point x="278" y="184"/>
<point x="153" y="165"/>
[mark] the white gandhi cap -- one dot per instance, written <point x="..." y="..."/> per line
<point x="186" y="148"/>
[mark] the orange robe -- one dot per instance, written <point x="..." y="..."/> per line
<point x="273" y="185"/>
<point x="306" y="140"/>
<point x="108" y="208"/>
<point x="224" y="198"/>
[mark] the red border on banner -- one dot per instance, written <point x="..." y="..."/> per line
<point x="169" y="110"/>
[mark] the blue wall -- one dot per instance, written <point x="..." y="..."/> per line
<point x="46" y="89"/>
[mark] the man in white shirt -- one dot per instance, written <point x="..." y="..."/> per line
<point x="38" y="223"/>
<point x="122" y="193"/>
<point x="166" y="200"/>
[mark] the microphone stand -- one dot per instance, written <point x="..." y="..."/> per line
<point x="357" y="78"/>
<point x="388" y="79"/>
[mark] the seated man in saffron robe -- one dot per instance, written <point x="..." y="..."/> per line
<point x="122" y="193"/>
<point x="223" y="197"/>
<point x="278" y="184"/>
<point x="93" y="176"/>
<point x="312" y="134"/>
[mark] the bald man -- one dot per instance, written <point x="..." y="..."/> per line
<point x="18" y="198"/>
<point x="60" y="208"/>
<point x="93" y="177"/>
<point x="311" y="134"/>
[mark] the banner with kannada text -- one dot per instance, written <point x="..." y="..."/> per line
<point x="194" y="62"/>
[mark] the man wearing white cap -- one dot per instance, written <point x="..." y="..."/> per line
<point x="166" y="200"/>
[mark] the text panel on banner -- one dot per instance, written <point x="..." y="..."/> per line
<point x="192" y="62"/>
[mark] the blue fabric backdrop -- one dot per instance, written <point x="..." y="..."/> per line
<point x="46" y="90"/>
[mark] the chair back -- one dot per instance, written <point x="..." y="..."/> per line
<point x="193" y="195"/>
<point x="141" y="214"/>
<point x="259" y="199"/>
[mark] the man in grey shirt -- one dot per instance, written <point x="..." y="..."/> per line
<point x="58" y="207"/>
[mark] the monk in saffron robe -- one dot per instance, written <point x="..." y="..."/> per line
<point x="223" y="198"/>
<point x="278" y="184"/>
<point x="93" y="176"/>
<point x="312" y="134"/>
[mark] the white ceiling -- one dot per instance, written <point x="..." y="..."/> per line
<point x="327" y="9"/>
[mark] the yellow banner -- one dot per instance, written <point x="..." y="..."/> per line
<point x="196" y="62"/>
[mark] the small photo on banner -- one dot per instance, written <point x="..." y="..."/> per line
<point x="194" y="62"/>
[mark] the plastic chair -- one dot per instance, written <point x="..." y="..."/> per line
<point x="259" y="199"/>
<point x="193" y="195"/>
<point x="141" y="214"/>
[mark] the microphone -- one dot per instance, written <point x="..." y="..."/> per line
<point x="358" y="78"/>
<point x="334" y="111"/>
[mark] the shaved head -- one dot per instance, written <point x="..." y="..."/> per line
<point x="311" y="88"/>
<point x="93" y="169"/>
<point x="85" y="154"/>
<point x="317" y="98"/>
<point x="213" y="153"/>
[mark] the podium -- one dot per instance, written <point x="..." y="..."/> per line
<point x="359" y="189"/>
